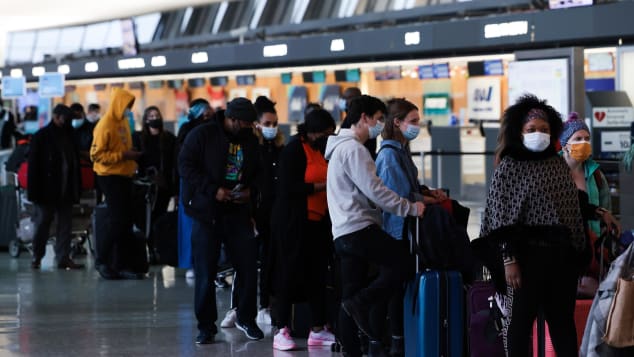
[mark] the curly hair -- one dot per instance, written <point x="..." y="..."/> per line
<point x="513" y="120"/>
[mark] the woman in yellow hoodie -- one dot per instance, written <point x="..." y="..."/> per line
<point x="114" y="162"/>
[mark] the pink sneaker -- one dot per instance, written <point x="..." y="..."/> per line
<point x="321" y="338"/>
<point x="283" y="340"/>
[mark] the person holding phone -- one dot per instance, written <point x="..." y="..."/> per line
<point x="218" y="164"/>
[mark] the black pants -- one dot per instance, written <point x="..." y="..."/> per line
<point x="44" y="215"/>
<point x="234" y="229"/>
<point x="118" y="192"/>
<point x="549" y="282"/>
<point x="317" y="251"/>
<point x="392" y="309"/>
<point x="356" y="250"/>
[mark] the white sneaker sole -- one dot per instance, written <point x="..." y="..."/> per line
<point x="318" y="343"/>
<point x="284" y="347"/>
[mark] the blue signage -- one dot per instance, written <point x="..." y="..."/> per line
<point x="493" y="68"/>
<point x="441" y="70"/>
<point x="13" y="87"/>
<point x="51" y="85"/>
<point x="426" y="72"/>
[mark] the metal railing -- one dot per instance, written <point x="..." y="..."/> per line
<point x="439" y="155"/>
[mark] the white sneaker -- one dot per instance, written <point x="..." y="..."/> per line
<point x="283" y="340"/>
<point x="321" y="338"/>
<point x="230" y="319"/>
<point x="264" y="316"/>
<point x="189" y="274"/>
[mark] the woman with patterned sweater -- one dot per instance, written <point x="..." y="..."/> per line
<point x="532" y="232"/>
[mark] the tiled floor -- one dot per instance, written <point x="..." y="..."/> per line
<point x="75" y="313"/>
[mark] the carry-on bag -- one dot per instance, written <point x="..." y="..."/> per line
<point x="433" y="311"/>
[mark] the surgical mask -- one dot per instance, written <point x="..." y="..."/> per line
<point x="342" y="104"/>
<point x="580" y="151"/>
<point x="93" y="118"/>
<point x="376" y="130"/>
<point x="411" y="132"/>
<point x="536" y="142"/>
<point x="77" y="123"/>
<point x="269" y="133"/>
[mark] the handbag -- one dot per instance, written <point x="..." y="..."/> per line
<point x="620" y="324"/>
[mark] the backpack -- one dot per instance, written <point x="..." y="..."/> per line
<point x="444" y="244"/>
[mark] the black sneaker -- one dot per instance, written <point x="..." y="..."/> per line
<point x="251" y="330"/>
<point x="69" y="264"/>
<point x="205" y="338"/>
<point x="130" y="275"/>
<point x="376" y="349"/>
<point x="36" y="263"/>
<point x="397" y="348"/>
<point x="107" y="273"/>
<point x="221" y="283"/>
<point x="359" y="314"/>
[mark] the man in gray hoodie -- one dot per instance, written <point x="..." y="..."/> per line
<point x="356" y="196"/>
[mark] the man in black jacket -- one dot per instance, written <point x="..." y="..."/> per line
<point x="218" y="163"/>
<point x="53" y="186"/>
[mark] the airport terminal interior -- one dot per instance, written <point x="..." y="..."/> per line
<point x="461" y="63"/>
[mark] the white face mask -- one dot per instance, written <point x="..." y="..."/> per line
<point x="269" y="133"/>
<point x="376" y="130"/>
<point x="536" y="142"/>
<point x="411" y="132"/>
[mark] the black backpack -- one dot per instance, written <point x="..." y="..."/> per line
<point x="442" y="244"/>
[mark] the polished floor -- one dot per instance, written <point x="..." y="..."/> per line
<point x="75" y="313"/>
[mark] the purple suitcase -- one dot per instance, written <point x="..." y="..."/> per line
<point x="484" y="338"/>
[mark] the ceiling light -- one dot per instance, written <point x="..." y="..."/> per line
<point x="63" y="69"/>
<point x="16" y="72"/>
<point x="38" y="71"/>
<point x="275" y="50"/>
<point x="200" y="57"/>
<point x="337" y="45"/>
<point x="158" y="61"/>
<point x="506" y="29"/>
<point x="412" y="38"/>
<point x="91" y="67"/>
<point x="131" y="63"/>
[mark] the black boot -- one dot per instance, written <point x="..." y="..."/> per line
<point x="397" y="349"/>
<point x="376" y="349"/>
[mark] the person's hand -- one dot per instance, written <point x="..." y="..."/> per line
<point x="439" y="195"/>
<point x="611" y="223"/>
<point x="513" y="275"/>
<point x="430" y="200"/>
<point x="420" y="208"/>
<point x="131" y="155"/>
<point x="241" y="196"/>
<point x="223" y="194"/>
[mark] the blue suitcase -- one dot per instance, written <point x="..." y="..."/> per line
<point x="434" y="315"/>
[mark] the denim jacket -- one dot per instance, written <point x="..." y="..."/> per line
<point x="395" y="167"/>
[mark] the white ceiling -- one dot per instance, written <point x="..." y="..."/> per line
<point x="31" y="14"/>
<point x="17" y="15"/>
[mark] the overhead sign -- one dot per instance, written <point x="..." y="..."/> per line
<point x="484" y="98"/>
<point x="494" y="68"/>
<point x="433" y="71"/>
<point x="603" y="117"/>
<point x="51" y="85"/>
<point x="547" y="79"/>
<point x="13" y="87"/>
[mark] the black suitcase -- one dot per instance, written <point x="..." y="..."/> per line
<point x="131" y="252"/>
<point x="165" y="233"/>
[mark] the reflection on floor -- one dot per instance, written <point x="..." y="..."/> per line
<point x="75" y="313"/>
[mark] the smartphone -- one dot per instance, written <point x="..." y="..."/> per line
<point x="237" y="188"/>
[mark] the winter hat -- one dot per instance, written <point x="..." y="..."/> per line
<point x="571" y="126"/>
<point x="241" y="109"/>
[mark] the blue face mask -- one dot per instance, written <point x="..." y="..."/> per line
<point x="269" y="133"/>
<point x="342" y="104"/>
<point x="411" y="132"/>
<point x="376" y="130"/>
<point x="77" y="123"/>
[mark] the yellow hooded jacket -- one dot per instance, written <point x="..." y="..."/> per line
<point x="111" y="138"/>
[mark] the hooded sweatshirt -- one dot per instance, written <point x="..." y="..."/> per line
<point x="356" y="194"/>
<point x="112" y="138"/>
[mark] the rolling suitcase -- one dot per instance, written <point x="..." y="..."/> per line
<point x="434" y="312"/>
<point x="485" y="324"/>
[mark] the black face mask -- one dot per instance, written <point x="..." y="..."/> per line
<point x="320" y="144"/>
<point x="155" y="124"/>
